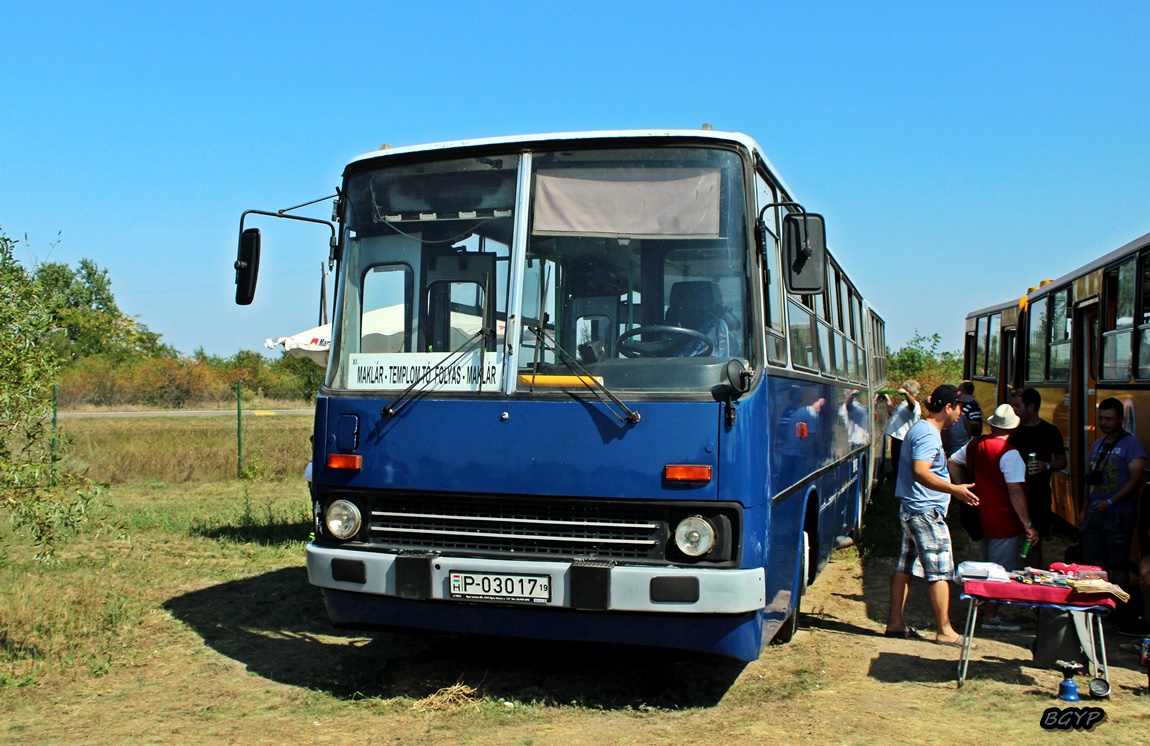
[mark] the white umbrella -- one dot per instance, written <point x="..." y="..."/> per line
<point x="315" y="343"/>
<point x="312" y="344"/>
<point x="382" y="331"/>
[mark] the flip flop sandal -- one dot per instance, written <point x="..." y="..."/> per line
<point x="910" y="633"/>
<point x="959" y="643"/>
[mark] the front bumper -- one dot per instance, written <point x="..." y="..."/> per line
<point x="600" y="586"/>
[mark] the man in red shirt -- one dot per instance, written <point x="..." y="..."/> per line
<point x="997" y="468"/>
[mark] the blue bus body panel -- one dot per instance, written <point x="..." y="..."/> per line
<point x="510" y="447"/>
<point x="780" y="473"/>
<point x="814" y="438"/>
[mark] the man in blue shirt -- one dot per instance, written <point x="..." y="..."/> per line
<point x="924" y="488"/>
<point x="1117" y="464"/>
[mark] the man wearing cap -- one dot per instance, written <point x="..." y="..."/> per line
<point x="997" y="467"/>
<point x="969" y="422"/>
<point x="924" y="488"/>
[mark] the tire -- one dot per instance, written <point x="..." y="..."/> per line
<point x="791" y="624"/>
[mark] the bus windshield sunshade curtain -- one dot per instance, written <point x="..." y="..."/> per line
<point x="663" y="203"/>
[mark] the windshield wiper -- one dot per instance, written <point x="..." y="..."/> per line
<point x="589" y="381"/>
<point x="391" y="409"/>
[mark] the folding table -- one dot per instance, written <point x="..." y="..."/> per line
<point x="1093" y="605"/>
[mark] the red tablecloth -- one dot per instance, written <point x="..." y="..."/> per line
<point x="1034" y="593"/>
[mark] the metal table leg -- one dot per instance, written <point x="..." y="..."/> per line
<point x="1099" y="648"/>
<point x="1088" y="624"/>
<point x="968" y="639"/>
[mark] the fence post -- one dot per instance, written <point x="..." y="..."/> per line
<point x="55" y="399"/>
<point x="55" y="436"/>
<point x="239" y="429"/>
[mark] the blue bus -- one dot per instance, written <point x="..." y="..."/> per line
<point x="598" y="386"/>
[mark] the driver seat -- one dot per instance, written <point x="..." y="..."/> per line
<point x="698" y="305"/>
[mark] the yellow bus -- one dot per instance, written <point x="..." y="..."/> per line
<point x="1077" y="340"/>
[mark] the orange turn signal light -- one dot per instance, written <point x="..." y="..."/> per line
<point x="687" y="473"/>
<point x="344" y="461"/>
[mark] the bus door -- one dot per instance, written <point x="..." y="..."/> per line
<point x="1070" y="497"/>
<point x="1006" y="365"/>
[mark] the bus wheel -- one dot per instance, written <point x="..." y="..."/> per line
<point x="791" y="625"/>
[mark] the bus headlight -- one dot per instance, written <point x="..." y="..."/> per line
<point x="695" y="536"/>
<point x="342" y="519"/>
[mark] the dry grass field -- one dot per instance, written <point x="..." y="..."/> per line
<point x="183" y="615"/>
<point x="187" y="449"/>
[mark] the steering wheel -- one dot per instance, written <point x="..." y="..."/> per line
<point x="673" y="338"/>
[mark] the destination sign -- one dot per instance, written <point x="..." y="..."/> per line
<point x="435" y="371"/>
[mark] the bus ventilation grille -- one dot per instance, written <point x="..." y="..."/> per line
<point x="546" y="526"/>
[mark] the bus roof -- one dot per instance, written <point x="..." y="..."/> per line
<point x="996" y="307"/>
<point x="558" y="137"/>
<point x="1102" y="261"/>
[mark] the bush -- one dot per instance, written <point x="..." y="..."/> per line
<point x="43" y="497"/>
<point x="920" y="359"/>
<point x="173" y="384"/>
<point x="177" y="383"/>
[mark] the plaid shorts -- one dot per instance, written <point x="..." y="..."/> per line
<point x="926" y="550"/>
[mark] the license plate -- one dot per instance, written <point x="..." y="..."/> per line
<point x="482" y="586"/>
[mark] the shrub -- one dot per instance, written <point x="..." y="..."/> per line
<point x="920" y="359"/>
<point x="42" y="496"/>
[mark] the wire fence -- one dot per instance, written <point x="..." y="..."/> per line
<point x="184" y="446"/>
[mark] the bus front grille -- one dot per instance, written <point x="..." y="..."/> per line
<point x="543" y="526"/>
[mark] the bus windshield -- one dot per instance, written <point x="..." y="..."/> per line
<point x="631" y="267"/>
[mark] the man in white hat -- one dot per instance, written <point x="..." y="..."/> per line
<point x="1000" y="473"/>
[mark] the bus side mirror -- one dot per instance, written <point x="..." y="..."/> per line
<point x="738" y="377"/>
<point x="804" y="252"/>
<point x="247" y="266"/>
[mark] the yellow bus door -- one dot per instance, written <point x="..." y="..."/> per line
<point x="1085" y="397"/>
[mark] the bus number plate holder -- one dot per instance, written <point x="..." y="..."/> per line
<point x="502" y="587"/>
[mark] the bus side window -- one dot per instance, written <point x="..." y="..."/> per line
<point x="994" y="328"/>
<point x="980" y="348"/>
<point x="1059" y="366"/>
<point x="1144" y="320"/>
<point x="1038" y="336"/>
<point x="1118" y="321"/>
<point x="971" y="350"/>
<point x="878" y="350"/>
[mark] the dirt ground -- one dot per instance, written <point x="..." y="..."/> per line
<point x="253" y="661"/>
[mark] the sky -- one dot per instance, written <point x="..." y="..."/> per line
<point x="960" y="152"/>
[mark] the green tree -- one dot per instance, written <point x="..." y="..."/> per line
<point x="86" y="319"/>
<point x="42" y="497"/>
<point x="920" y="359"/>
<point x="302" y="376"/>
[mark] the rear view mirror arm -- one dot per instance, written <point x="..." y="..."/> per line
<point x="802" y="211"/>
<point x="247" y="263"/>
<point x="282" y="214"/>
